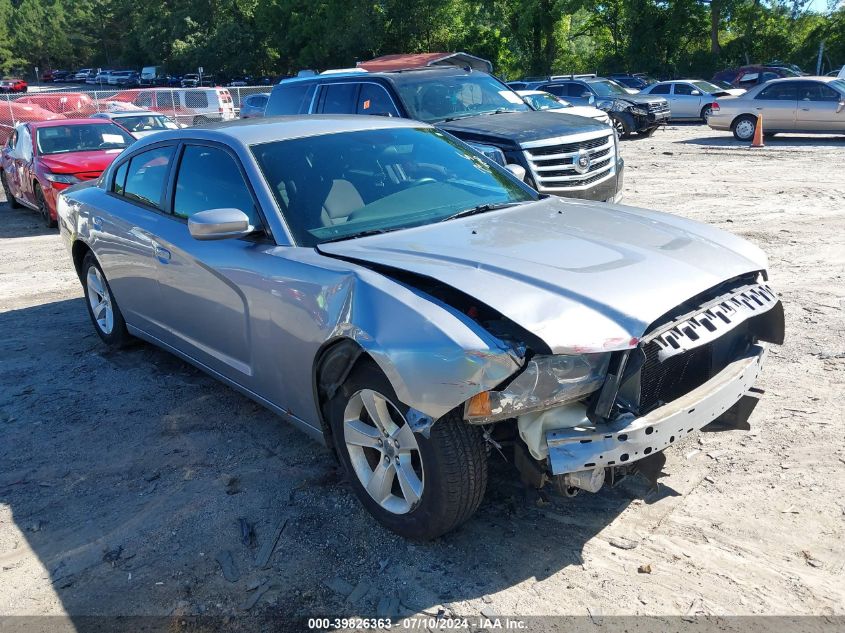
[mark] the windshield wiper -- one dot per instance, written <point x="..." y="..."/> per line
<point x="358" y="234"/>
<point x="481" y="208"/>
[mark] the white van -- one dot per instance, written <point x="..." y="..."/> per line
<point x="191" y="106"/>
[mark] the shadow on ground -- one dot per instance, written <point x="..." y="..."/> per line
<point x="781" y="140"/>
<point x="131" y="475"/>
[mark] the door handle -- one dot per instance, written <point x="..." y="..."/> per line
<point x="805" y="109"/>
<point x="162" y="254"/>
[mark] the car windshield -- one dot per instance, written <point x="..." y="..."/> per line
<point x="144" y="122"/>
<point x="64" y="139"/>
<point x="607" y="88"/>
<point x="706" y="86"/>
<point x="839" y="84"/>
<point x="546" y="101"/>
<point x="339" y="186"/>
<point x="441" y="98"/>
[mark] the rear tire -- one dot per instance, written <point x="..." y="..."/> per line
<point x="102" y="307"/>
<point x="450" y="465"/>
<point x="706" y="111"/>
<point x="10" y="199"/>
<point x="743" y="127"/>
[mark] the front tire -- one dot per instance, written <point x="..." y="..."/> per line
<point x="415" y="486"/>
<point x="623" y="130"/>
<point x="43" y="209"/>
<point x="743" y="127"/>
<point x="102" y="308"/>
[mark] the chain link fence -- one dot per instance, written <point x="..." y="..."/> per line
<point x="185" y="106"/>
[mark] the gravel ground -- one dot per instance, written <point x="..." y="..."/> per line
<point x="126" y="477"/>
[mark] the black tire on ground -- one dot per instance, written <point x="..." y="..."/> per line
<point x="200" y="120"/>
<point x="740" y="127"/>
<point x="649" y="132"/>
<point x="453" y="459"/>
<point x="706" y="111"/>
<point x="622" y="128"/>
<point x="10" y="199"/>
<point x="119" y="336"/>
<point x="43" y="209"/>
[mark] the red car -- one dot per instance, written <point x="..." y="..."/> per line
<point x="13" y="85"/>
<point x="41" y="159"/>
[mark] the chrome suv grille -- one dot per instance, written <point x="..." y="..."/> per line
<point x="661" y="106"/>
<point x="571" y="163"/>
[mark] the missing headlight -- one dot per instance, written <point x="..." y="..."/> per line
<point x="546" y="381"/>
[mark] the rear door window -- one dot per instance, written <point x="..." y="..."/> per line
<point x="196" y="99"/>
<point x="779" y="92"/>
<point x="146" y="176"/>
<point x="374" y="99"/>
<point x="683" y="89"/>
<point x="339" y="98"/>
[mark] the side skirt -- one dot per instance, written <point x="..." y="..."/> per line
<point x="314" y="433"/>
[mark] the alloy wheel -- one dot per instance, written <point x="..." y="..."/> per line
<point x="620" y="127"/>
<point x="383" y="451"/>
<point x="43" y="211"/>
<point x="100" y="300"/>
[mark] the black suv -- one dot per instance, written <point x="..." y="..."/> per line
<point x="631" y="113"/>
<point x="561" y="154"/>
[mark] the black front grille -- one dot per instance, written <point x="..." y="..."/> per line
<point x="674" y="377"/>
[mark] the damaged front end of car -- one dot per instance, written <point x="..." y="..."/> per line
<point x="575" y="419"/>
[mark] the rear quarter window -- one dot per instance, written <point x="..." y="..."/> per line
<point x="294" y="98"/>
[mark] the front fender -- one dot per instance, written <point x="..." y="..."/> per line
<point x="435" y="357"/>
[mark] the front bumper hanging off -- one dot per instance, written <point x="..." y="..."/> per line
<point x="628" y="439"/>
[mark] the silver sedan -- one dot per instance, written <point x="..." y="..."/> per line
<point x="813" y="105"/>
<point x="690" y="98"/>
<point x="414" y="305"/>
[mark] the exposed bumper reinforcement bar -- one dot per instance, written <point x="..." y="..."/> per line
<point x="629" y="439"/>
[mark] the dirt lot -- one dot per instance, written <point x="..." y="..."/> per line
<point x="124" y="475"/>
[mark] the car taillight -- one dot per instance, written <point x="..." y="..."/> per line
<point x="714" y="107"/>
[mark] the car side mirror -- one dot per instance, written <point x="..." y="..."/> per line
<point x="219" y="224"/>
<point x="695" y="93"/>
<point x="516" y="170"/>
<point x="841" y="106"/>
<point x="586" y="94"/>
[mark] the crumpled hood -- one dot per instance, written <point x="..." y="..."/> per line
<point x="583" y="276"/>
<point x="79" y="162"/>
<point x="642" y="99"/>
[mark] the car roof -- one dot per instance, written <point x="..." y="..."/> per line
<point x="802" y="78"/>
<point x="448" y="71"/>
<point x="282" y="128"/>
<point x="58" y="122"/>
<point x="126" y="113"/>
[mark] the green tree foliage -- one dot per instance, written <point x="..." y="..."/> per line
<point x="521" y="37"/>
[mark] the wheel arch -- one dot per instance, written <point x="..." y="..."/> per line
<point x="332" y="365"/>
<point x="744" y="115"/>
<point x="78" y="252"/>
